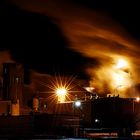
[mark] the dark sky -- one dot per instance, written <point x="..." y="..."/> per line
<point x="35" y="40"/>
<point x="124" y="12"/>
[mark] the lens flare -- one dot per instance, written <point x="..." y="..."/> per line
<point x="61" y="91"/>
<point x="61" y="94"/>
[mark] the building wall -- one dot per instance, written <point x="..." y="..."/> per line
<point x="5" y="107"/>
<point x="13" y="81"/>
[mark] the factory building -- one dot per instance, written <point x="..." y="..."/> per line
<point x="13" y="81"/>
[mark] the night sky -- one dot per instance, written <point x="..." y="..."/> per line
<point x="36" y="42"/>
<point x="36" y="38"/>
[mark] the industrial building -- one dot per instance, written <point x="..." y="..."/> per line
<point x="85" y="111"/>
<point x="13" y="81"/>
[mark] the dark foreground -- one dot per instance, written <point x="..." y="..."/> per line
<point x="50" y="127"/>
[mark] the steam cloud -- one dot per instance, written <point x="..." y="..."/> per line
<point x="93" y="35"/>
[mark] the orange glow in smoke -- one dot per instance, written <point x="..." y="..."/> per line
<point x="121" y="64"/>
<point x="138" y="99"/>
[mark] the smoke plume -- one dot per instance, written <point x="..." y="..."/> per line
<point x="97" y="36"/>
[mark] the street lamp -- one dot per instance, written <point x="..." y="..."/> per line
<point x="77" y="103"/>
<point x="61" y="94"/>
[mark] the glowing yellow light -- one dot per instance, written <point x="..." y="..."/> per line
<point x="137" y="99"/>
<point x="61" y="93"/>
<point x="89" y="89"/>
<point x="118" y="79"/>
<point x="121" y="64"/>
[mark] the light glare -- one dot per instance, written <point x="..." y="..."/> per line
<point x="77" y="103"/>
<point x="137" y="99"/>
<point x="89" y="89"/>
<point x="96" y="120"/>
<point x="61" y="93"/>
<point x="121" y="64"/>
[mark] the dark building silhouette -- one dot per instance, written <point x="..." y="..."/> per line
<point x="13" y="81"/>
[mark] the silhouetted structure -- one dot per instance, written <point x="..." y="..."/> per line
<point x="111" y="114"/>
<point x="13" y="81"/>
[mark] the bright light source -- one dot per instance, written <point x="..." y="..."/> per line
<point x="61" y="93"/>
<point x="77" y="103"/>
<point x="137" y="99"/>
<point x="96" y="120"/>
<point x="89" y="89"/>
<point x="121" y="64"/>
<point x="121" y="75"/>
